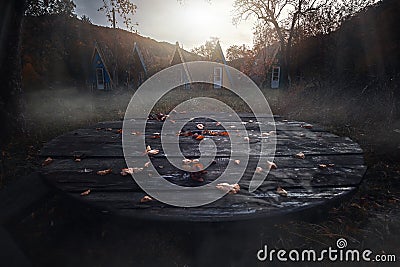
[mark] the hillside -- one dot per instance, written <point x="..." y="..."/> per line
<point x="58" y="50"/>
<point x="366" y="47"/>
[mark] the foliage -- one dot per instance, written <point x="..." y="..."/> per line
<point x="124" y="8"/>
<point x="289" y="18"/>
<point x="86" y="19"/>
<point x="50" y="7"/>
<point x="207" y="49"/>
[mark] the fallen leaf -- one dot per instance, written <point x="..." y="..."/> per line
<point x="104" y="172"/>
<point x="87" y="192"/>
<point x="217" y="123"/>
<point x="147" y="164"/>
<point x="136" y="133"/>
<point x="300" y="155"/>
<point x="200" y="137"/>
<point x="186" y="161"/>
<point x="322" y="166"/>
<point x="146" y="199"/>
<point x="195" y="161"/>
<point x="47" y="161"/>
<point x="153" y="152"/>
<point x="271" y="165"/>
<point x="307" y="126"/>
<point x="259" y="170"/>
<point x="331" y="165"/>
<point x="225" y="133"/>
<point x="200" y="126"/>
<point x="281" y="191"/>
<point x="109" y="129"/>
<point x="78" y="160"/>
<point x="119" y="131"/>
<point x="229" y="188"/>
<point x="237" y="162"/>
<point x="127" y="171"/>
<point x="246" y="138"/>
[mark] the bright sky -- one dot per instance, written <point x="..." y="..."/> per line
<point x="190" y="23"/>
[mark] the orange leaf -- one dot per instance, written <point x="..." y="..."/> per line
<point x="200" y="137"/>
<point x="146" y="199"/>
<point x="87" y="192"/>
<point x="104" y="172"/>
<point x="47" y="161"/>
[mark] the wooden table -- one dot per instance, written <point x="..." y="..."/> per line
<point x="333" y="167"/>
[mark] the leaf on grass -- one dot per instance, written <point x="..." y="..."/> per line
<point x="229" y="188"/>
<point x="104" y="172"/>
<point x="146" y="199"/>
<point x="87" y="192"/>
<point x="300" y="155"/>
<point x="271" y="165"/>
<point x="281" y="192"/>
<point x="47" y="161"/>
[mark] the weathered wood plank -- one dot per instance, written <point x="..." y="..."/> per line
<point x="308" y="184"/>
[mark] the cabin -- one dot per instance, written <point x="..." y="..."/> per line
<point x="137" y="72"/>
<point x="183" y="75"/>
<point x="101" y="77"/>
<point x="221" y="75"/>
<point x="267" y="66"/>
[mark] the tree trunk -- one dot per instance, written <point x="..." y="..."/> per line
<point x="11" y="16"/>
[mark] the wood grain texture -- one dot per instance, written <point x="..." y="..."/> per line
<point x="309" y="185"/>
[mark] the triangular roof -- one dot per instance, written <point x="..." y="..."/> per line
<point x="98" y="50"/>
<point x="218" y="56"/>
<point x="138" y="57"/>
<point x="178" y="58"/>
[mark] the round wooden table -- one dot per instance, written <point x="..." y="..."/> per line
<point x="331" y="169"/>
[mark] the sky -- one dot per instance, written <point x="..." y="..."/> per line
<point x="191" y="23"/>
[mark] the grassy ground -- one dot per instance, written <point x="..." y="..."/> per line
<point x="73" y="236"/>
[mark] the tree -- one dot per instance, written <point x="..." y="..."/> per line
<point x="50" y="7"/>
<point x="11" y="107"/>
<point x="86" y="19"/>
<point x="285" y="17"/>
<point x="125" y="8"/>
<point x="207" y="49"/>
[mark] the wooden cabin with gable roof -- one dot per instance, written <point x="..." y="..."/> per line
<point x="221" y="75"/>
<point x="183" y="75"/>
<point x="101" y="76"/>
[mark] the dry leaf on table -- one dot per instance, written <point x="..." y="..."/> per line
<point x="281" y="191"/>
<point x="104" y="172"/>
<point x="229" y="188"/>
<point x="300" y="155"/>
<point x="271" y="165"/>
<point x="87" y="192"/>
<point x="47" y="161"/>
<point x="146" y="199"/>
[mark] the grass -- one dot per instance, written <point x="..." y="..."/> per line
<point x="368" y="220"/>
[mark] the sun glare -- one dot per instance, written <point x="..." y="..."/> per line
<point x="201" y="18"/>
